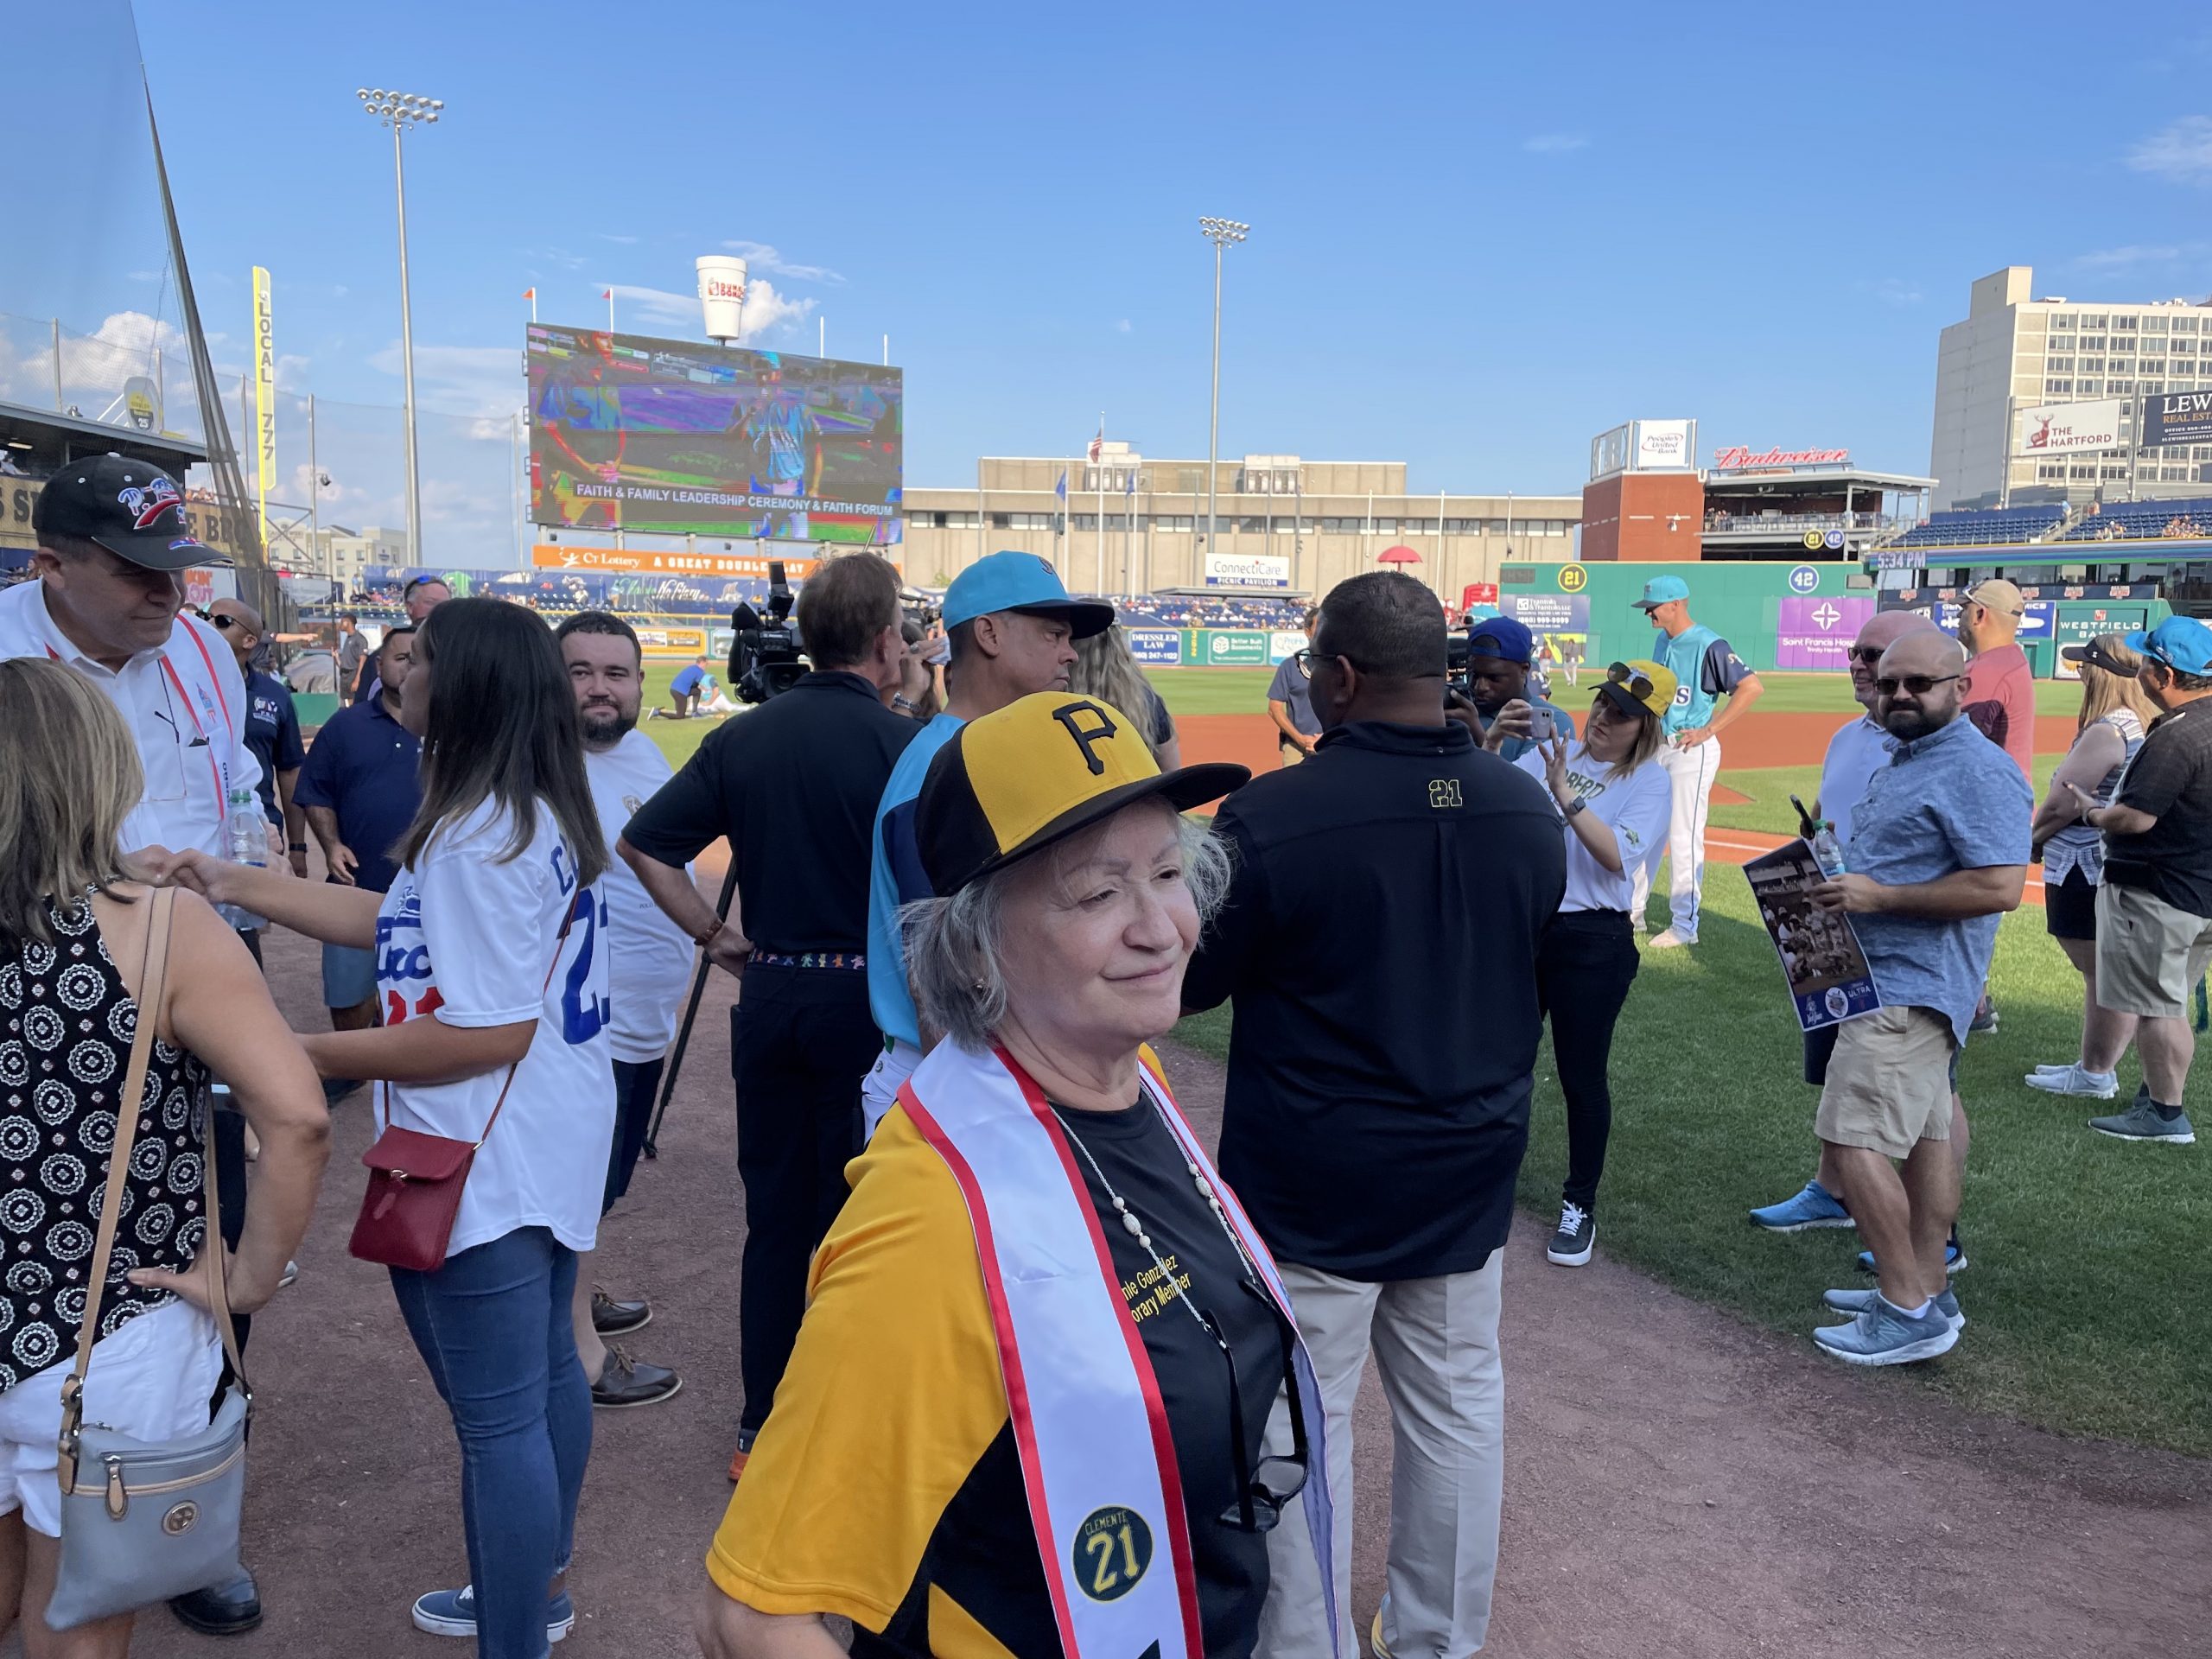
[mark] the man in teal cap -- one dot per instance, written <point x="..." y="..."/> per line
<point x="2154" y="907"/>
<point x="1012" y="627"/>
<point x="1705" y="670"/>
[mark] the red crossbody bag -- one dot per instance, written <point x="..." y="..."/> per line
<point x="415" y="1180"/>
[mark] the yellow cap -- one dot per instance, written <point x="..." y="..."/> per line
<point x="1038" y="771"/>
<point x="1637" y="686"/>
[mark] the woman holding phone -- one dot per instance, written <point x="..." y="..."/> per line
<point x="1615" y="802"/>
<point x="493" y="990"/>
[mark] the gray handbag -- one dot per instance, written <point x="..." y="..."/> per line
<point x="140" y="1521"/>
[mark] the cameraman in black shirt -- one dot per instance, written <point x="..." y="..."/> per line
<point x="794" y="786"/>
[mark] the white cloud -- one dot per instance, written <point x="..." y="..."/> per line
<point x="609" y="236"/>
<point x="473" y="380"/>
<point x="2181" y="152"/>
<point x="1123" y="327"/>
<point x="2121" y="258"/>
<point x="761" y="256"/>
<point x="1892" y="290"/>
<point x="1555" y="144"/>
<point x="766" y="310"/>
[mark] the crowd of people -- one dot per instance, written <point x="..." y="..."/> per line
<point x="965" y="897"/>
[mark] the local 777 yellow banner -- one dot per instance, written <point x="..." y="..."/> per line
<point x="265" y="396"/>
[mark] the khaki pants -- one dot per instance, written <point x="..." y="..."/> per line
<point x="1435" y="1343"/>
<point x="1292" y="754"/>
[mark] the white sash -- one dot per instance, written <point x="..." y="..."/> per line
<point x="1110" y="1525"/>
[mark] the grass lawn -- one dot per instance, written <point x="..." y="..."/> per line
<point x="1770" y="787"/>
<point x="2087" y="1255"/>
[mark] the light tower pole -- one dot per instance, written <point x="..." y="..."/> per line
<point x="1220" y="232"/>
<point x="400" y="111"/>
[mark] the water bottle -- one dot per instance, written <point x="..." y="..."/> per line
<point x="245" y="841"/>
<point x="1828" y="852"/>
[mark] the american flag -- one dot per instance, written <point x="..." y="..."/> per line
<point x="1098" y="444"/>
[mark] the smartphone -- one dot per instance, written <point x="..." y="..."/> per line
<point x="1541" y="724"/>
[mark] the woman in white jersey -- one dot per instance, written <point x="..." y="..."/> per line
<point x="489" y="962"/>
<point x="1615" y="802"/>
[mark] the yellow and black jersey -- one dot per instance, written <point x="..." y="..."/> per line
<point x="886" y="1486"/>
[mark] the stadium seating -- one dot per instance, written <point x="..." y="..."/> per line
<point x="1998" y="526"/>
<point x="2141" y="520"/>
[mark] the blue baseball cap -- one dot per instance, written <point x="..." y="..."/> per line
<point x="1501" y="636"/>
<point x="1662" y="590"/>
<point x="1021" y="581"/>
<point x="2180" y="643"/>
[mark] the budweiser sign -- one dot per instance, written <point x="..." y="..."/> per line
<point x="1737" y="456"/>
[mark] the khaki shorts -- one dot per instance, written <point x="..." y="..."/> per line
<point x="2150" y="954"/>
<point x="1889" y="1082"/>
<point x="1292" y="754"/>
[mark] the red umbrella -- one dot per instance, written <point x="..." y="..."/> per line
<point x="1397" y="555"/>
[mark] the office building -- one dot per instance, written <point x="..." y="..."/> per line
<point x="2014" y="351"/>
<point x="1133" y="524"/>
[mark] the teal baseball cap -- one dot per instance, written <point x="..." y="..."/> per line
<point x="1662" y="590"/>
<point x="2180" y="643"/>
<point x="1021" y="581"/>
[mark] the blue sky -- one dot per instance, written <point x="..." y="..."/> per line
<point x="1481" y="234"/>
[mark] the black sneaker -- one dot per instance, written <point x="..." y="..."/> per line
<point x="611" y="1318"/>
<point x="1576" y="1237"/>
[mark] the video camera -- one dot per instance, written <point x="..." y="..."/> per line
<point x="765" y="659"/>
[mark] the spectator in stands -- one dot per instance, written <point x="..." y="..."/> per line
<point x="1938" y="851"/>
<point x="1380" y="940"/>
<point x="1501" y="658"/>
<point x="2000" y="691"/>
<point x="2154" y="911"/>
<point x="360" y="791"/>
<point x="2114" y="714"/>
<point x="1014" y="630"/>
<point x="1706" y="669"/>
<point x="352" y="648"/>
<point x="272" y="726"/>
<point x="1107" y="669"/>
<point x="1290" y="702"/>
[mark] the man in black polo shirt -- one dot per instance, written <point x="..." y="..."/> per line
<point x="1379" y="942"/>
<point x="794" y="786"/>
<point x="2154" y="908"/>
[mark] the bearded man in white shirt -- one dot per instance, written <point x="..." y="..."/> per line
<point x="649" y="962"/>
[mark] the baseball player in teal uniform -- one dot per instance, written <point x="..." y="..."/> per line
<point x="1713" y="690"/>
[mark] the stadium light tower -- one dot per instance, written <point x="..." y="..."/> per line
<point x="400" y="111"/>
<point x="1220" y="232"/>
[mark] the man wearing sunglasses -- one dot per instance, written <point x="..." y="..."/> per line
<point x="1938" y="851"/>
<point x="272" y="726"/>
<point x="1706" y="671"/>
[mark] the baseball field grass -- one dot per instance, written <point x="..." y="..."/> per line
<point x="2088" y="1256"/>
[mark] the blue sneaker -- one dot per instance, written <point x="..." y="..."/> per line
<point x="1813" y="1206"/>
<point x="1955" y="1259"/>
<point x="1857" y="1301"/>
<point x="1882" y="1335"/>
<point x="453" y="1612"/>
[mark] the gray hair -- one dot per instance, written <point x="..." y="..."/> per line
<point x="954" y="945"/>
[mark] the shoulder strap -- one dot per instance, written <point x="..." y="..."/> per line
<point x="153" y="974"/>
<point x="568" y="916"/>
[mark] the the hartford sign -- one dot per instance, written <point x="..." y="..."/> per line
<point x="1737" y="457"/>
<point x="2053" y="429"/>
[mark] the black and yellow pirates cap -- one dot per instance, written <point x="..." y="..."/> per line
<point x="1036" y="772"/>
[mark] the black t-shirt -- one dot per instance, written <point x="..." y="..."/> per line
<point x="2170" y="777"/>
<point x="1379" y="941"/>
<point x="794" y="784"/>
<point x="1145" y="1166"/>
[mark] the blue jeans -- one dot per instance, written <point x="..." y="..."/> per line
<point x="492" y="1326"/>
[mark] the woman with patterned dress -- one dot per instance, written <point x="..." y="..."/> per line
<point x="72" y="948"/>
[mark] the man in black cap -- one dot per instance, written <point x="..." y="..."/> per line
<point x="112" y="546"/>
